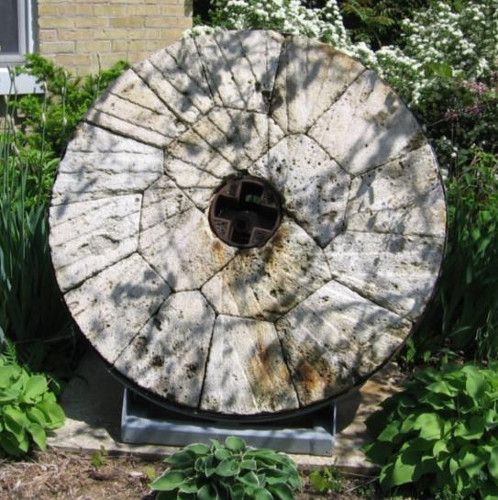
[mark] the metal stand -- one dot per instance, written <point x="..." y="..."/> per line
<point x="143" y="422"/>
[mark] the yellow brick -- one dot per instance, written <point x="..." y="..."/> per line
<point x="184" y="22"/>
<point x="73" y="59"/>
<point x="129" y="45"/>
<point x="107" y="60"/>
<point x="47" y="35"/>
<point x="110" y="10"/>
<point x="144" y="34"/>
<point x="79" y="34"/>
<point x="134" y="57"/>
<point x="75" y="9"/>
<point x="175" y="10"/>
<point x="144" y="10"/>
<point x="56" y="22"/>
<point x="47" y="9"/>
<point x="56" y="47"/>
<point x="127" y="22"/>
<point x="91" y="47"/>
<point x="110" y="34"/>
<point x="90" y="22"/>
<point x="172" y="34"/>
<point x="160" y="22"/>
<point x="153" y="45"/>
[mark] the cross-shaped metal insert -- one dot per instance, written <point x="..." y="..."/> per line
<point x="245" y="212"/>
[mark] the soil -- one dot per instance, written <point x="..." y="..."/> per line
<point x="58" y="475"/>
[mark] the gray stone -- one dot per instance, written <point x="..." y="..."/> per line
<point x="264" y="283"/>
<point x="397" y="272"/>
<point x="184" y="250"/>
<point x="162" y="201"/>
<point x="367" y="126"/>
<point x="311" y="77"/>
<point x="132" y="120"/>
<point x="335" y="339"/>
<point x="168" y="356"/>
<point x="89" y="236"/>
<point x="314" y="188"/>
<point x="246" y="371"/>
<point x="113" y="306"/>
<point x="181" y="106"/>
<point x="84" y="176"/>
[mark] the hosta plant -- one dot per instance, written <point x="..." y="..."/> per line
<point x="27" y="407"/>
<point x="229" y="471"/>
<point x="441" y="433"/>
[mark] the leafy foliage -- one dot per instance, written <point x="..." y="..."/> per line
<point x="440" y="433"/>
<point x="27" y="408"/>
<point x="35" y="131"/>
<point x="230" y="471"/>
<point x="464" y="315"/>
<point x="327" y="479"/>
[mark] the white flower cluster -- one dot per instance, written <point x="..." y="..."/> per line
<point x="438" y="42"/>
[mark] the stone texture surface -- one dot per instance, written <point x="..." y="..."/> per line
<point x="311" y="77"/>
<point x="314" y="187"/>
<point x="168" y="355"/>
<point x="334" y="339"/>
<point x="246" y="372"/>
<point x="265" y="283"/>
<point x="398" y="272"/>
<point x="184" y="250"/>
<point x="247" y="332"/>
<point x="114" y="305"/>
<point x="89" y="236"/>
<point x="367" y="126"/>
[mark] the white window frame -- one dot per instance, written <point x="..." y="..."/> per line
<point x="22" y="84"/>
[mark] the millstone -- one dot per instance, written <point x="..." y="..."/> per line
<point x="322" y="249"/>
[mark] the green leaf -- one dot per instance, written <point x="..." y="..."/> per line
<point x="475" y="385"/>
<point x="53" y="412"/>
<point x="228" y="467"/>
<point x="198" y="449"/>
<point x="430" y="426"/>
<point x="248" y="464"/>
<point x="169" y="481"/>
<point x="281" y="491"/>
<point x="7" y="374"/>
<point x="402" y="472"/>
<point x="262" y="494"/>
<point x="235" y="443"/>
<point x="391" y="433"/>
<point x="493" y="463"/>
<point x="222" y="454"/>
<point x="36" y="416"/>
<point x="249" y="479"/>
<point x="181" y="459"/>
<point x="38" y="435"/>
<point x="208" y="492"/>
<point x="35" y="387"/>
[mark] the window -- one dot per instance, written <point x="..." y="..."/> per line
<point x="16" y="39"/>
<point x="15" y="32"/>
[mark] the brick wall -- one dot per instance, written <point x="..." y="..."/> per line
<point x="77" y="33"/>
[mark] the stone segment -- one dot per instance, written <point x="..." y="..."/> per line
<point x="264" y="283"/>
<point x="336" y="338"/>
<point x="184" y="250"/>
<point x="168" y="356"/>
<point x="367" y="126"/>
<point x="426" y="217"/>
<point x="89" y="236"/>
<point x="397" y="272"/>
<point x="311" y="77"/>
<point x="246" y="371"/>
<point x="162" y="201"/>
<point x="89" y="138"/>
<point x="137" y="122"/>
<point x="178" y="102"/>
<point x="113" y="306"/>
<point x="313" y="187"/>
<point x="95" y="175"/>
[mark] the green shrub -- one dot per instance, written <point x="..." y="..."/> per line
<point x="27" y="408"/>
<point x="35" y="132"/>
<point x="231" y="471"/>
<point x="464" y="314"/>
<point x="441" y="433"/>
<point x="327" y="479"/>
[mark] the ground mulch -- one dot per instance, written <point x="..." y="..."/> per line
<point x="59" y="475"/>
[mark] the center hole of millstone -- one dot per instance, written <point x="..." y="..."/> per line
<point x="245" y="212"/>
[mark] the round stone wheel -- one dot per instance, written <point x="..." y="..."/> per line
<point x="228" y="325"/>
